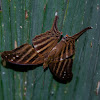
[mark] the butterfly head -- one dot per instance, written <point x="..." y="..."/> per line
<point x="66" y="37"/>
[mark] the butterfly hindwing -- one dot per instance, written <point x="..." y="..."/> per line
<point x="59" y="60"/>
<point x="23" y="55"/>
<point x="62" y="70"/>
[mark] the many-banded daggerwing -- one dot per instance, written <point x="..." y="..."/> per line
<point x="60" y="59"/>
<point x="33" y="55"/>
<point x="47" y="50"/>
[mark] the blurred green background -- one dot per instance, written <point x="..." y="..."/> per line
<point x="74" y="15"/>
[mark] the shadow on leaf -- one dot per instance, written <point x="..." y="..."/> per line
<point x="19" y="68"/>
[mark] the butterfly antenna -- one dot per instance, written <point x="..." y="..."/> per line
<point x="76" y="36"/>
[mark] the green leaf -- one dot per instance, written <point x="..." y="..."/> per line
<point x="74" y="15"/>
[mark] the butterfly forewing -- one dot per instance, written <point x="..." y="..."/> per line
<point x="25" y="54"/>
<point x="44" y="42"/>
<point x="42" y="45"/>
<point x="60" y="59"/>
<point x="61" y="51"/>
<point x="62" y="70"/>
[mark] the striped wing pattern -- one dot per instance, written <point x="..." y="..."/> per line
<point x="24" y="55"/>
<point x="60" y="59"/>
<point x="42" y="45"/>
<point x="62" y="70"/>
<point x="47" y="50"/>
<point x="44" y="42"/>
<point x="62" y="50"/>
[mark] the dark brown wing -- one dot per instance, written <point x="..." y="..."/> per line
<point x="62" y="70"/>
<point x="60" y="52"/>
<point x="44" y="42"/>
<point x="42" y="45"/>
<point x="65" y="48"/>
<point x="60" y="59"/>
<point x="23" y="55"/>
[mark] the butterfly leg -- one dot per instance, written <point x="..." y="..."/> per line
<point x="45" y="64"/>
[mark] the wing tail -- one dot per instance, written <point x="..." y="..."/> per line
<point x="76" y="36"/>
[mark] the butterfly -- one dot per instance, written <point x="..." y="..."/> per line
<point x="48" y="51"/>
<point x="59" y="60"/>
<point x="34" y="55"/>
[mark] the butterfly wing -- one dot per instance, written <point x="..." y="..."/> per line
<point x="63" y="50"/>
<point x="42" y="45"/>
<point x="62" y="70"/>
<point x="44" y="42"/>
<point x="67" y="50"/>
<point x="60" y="60"/>
<point x="23" y="55"/>
<point x="66" y="47"/>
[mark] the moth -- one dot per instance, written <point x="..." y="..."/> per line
<point x="48" y="51"/>
<point x="34" y="55"/>
<point x="59" y="60"/>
